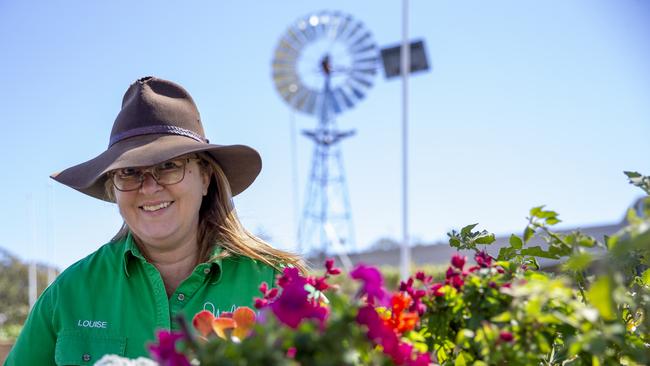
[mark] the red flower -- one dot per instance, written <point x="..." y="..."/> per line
<point x="506" y="336"/>
<point x="436" y="289"/>
<point x="330" y="269"/>
<point x="458" y="261"/>
<point x="420" y="276"/>
<point x="450" y="273"/>
<point x="483" y="259"/>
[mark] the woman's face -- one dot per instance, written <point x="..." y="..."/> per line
<point x="163" y="217"/>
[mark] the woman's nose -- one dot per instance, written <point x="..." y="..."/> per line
<point x="149" y="184"/>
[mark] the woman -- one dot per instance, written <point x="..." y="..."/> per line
<point x="181" y="248"/>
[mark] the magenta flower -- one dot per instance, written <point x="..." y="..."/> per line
<point x="330" y="269"/>
<point x="293" y="304"/>
<point x="165" y="351"/>
<point x="373" y="282"/>
<point x="420" y="276"/>
<point x="458" y="261"/>
<point x="506" y="336"/>
<point x="436" y="289"/>
<point x="483" y="259"/>
<point x="450" y="273"/>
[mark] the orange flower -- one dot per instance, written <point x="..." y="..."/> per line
<point x="222" y="326"/>
<point x="237" y="324"/>
<point x="398" y="319"/>
<point x="244" y="318"/>
<point x="203" y="322"/>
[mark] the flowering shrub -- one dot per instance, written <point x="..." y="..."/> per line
<point x="493" y="310"/>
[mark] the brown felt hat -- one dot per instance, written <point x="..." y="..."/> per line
<point x="158" y="121"/>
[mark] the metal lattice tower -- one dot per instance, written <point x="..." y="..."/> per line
<point x="323" y="65"/>
<point x="326" y="222"/>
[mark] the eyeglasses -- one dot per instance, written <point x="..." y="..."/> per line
<point x="166" y="173"/>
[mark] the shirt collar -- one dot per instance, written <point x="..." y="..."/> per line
<point x="131" y="252"/>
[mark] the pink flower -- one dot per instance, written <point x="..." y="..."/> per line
<point x="483" y="259"/>
<point x="330" y="269"/>
<point x="291" y="352"/>
<point x="436" y="289"/>
<point x="457" y="282"/>
<point x="420" y="276"/>
<point x="269" y="295"/>
<point x="293" y="305"/>
<point x="165" y="351"/>
<point x="506" y="336"/>
<point x="372" y="282"/>
<point x="450" y="273"/>
<point x="458" y="261"/>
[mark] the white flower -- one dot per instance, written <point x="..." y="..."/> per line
<point x="113" y="360"/>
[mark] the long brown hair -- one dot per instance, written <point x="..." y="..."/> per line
<point x="219" y="225"/>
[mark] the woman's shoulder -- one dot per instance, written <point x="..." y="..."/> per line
<point x="107" y="259"/>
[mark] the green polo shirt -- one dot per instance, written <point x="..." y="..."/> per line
<point x="112" y="301"/>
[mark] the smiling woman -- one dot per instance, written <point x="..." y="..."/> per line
<point x="181" y="249"/>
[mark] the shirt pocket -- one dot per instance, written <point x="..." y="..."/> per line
<point x="79" y="348"/>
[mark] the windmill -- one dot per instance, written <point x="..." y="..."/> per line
<point x="324" y="65"/>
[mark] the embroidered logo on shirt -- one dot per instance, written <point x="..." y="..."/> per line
<point x="92" y="324"/>
<point x="216" y="312"/>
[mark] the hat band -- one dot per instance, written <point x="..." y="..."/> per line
<point x="157" y="129"/>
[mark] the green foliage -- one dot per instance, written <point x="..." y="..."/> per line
<point x="468" y="239"/>
<point x="501" y="311"/>
<point x="14" y="304"/>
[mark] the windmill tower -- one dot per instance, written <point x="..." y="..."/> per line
<point x="323" y="65"/>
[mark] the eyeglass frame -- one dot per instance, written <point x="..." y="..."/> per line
<point x="150" y="170"/>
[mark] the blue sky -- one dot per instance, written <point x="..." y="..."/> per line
<point x="527" y="103"/>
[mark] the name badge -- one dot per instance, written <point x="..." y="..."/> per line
<point x="92" y="324"/>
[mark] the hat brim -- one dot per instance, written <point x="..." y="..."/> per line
<point x="241" y="164"/>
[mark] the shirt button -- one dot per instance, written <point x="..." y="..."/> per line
<point x="206" y="271"/>
<point x="85" y="357"/>
<point x="181" y="297"/>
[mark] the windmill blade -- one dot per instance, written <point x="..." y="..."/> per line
<point x="366" y="70"/>
<point x="310" y="104"/>
<point x="358" y="92"/>
<point x="340" y="94"/>
<point x="360" y="81"/>
<point x="354" y="31"/>
<point x="365" y="59"/>
<point x="365" y="49"/>
<point x="333" y="104"/>
<point x="296" y="37"/>
<point x="360" y="41"/>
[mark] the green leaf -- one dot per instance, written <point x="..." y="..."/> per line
<point x="516" y="242"/>
<point x="502" y="318"/>
<point x="645" y="278"/>
<point x="536" y="210"/>
<point x="632" y="174"/>
<point x="600" y="297"/>
<point x="461" y="359"/>
<point x="537" y="251"/>
<point x="486" y="238"/>
<point x="467" y="229"/>
<point x="506" y="253"/>
<point x="552" y="221"/>
<point x="578" y="262"/>
<point x="528" y="233"/>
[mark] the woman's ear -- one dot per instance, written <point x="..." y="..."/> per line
<point x="205" y="176"/>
